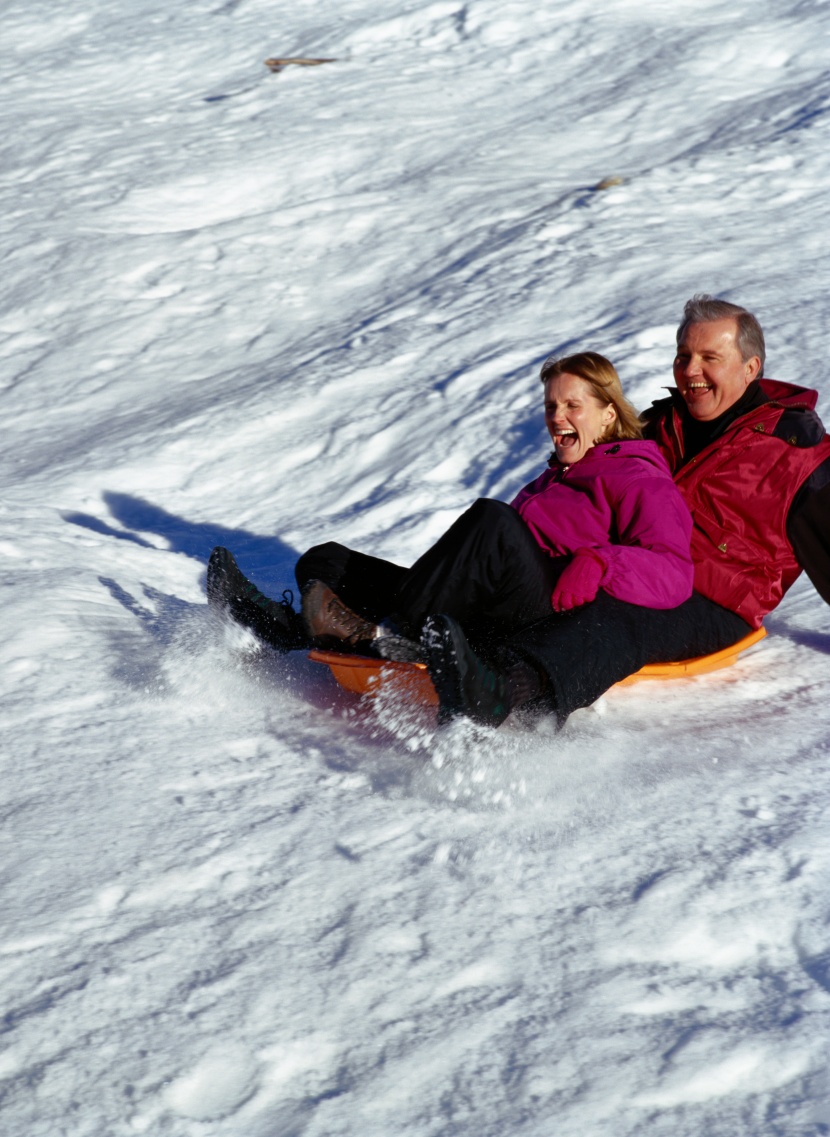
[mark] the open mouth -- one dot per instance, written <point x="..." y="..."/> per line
<point x="565" y="438"/>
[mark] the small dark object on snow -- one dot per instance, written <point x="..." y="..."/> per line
<point x="609" y="183"/>
<point x="276" y="65"/>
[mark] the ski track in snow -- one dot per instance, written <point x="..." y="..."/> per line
<point x="262" y="310"/>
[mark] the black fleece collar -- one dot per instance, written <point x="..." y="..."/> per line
<point x="697" y="435"/>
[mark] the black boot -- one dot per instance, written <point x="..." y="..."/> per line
<point x="465" y="684"/>
<point x="273" y="621"/>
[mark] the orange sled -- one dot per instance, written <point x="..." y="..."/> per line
<point x="367" y="676"/>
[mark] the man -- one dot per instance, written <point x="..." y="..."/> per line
<point x="752" y="460"/>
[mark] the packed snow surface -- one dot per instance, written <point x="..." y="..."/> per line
<point x="266" y="309"/>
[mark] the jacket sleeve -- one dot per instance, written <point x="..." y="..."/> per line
<point x="808" y="529"/>
<point x="651" y="565"/>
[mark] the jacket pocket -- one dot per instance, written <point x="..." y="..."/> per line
<point x="727" y="545"/>
<point x="736" y="573"/>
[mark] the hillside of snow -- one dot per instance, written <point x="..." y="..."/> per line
<point x="266" y="309"/>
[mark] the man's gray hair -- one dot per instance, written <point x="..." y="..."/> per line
<point x="704" y="309"/>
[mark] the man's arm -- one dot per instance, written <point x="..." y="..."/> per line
<point x="808" y="528"/>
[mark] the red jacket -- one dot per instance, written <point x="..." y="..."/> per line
<point x="739" y="490"/>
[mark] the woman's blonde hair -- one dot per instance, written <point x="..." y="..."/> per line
<point x="601" y="376"/>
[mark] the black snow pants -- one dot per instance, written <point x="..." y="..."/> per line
<point x="487" y="571"/>
<point x="587" y="650"/>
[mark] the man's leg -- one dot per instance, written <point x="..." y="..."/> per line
<point x="229" y="590"/>
<point x="583" y="652"/>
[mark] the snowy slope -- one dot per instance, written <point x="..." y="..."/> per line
<point x="264" y="309"/>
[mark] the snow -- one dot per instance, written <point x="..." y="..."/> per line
<point x="261" y="310"/>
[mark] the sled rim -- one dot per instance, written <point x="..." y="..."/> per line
<point x="365" y="675"/>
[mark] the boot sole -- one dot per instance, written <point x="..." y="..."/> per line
<point x="220" y="566"/>
<point x="449" y="658"/>
<point x="444" y="667"/>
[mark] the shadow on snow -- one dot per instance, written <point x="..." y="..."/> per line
<point x="270" y="557"/>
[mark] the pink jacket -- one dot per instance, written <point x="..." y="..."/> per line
<point x="620" y="502"/>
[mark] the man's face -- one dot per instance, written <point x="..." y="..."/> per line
<point x="709" y="371"/>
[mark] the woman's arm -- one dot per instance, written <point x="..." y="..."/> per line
<point x="651" y="564"/>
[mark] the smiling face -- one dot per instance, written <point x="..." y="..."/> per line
<point x="709" y="371"/>
<point x="575" y="417"/>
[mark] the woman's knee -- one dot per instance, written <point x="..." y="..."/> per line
<point x="326" y="562"/>
<point x="487" y="511"/>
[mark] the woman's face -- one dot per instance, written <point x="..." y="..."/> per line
<point x="575" y="417"/>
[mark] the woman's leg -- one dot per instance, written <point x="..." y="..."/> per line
<point x="487" y="571"/>
<point x="367" y="585"/>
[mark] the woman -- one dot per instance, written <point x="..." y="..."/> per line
<point x="604" y="515"/>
